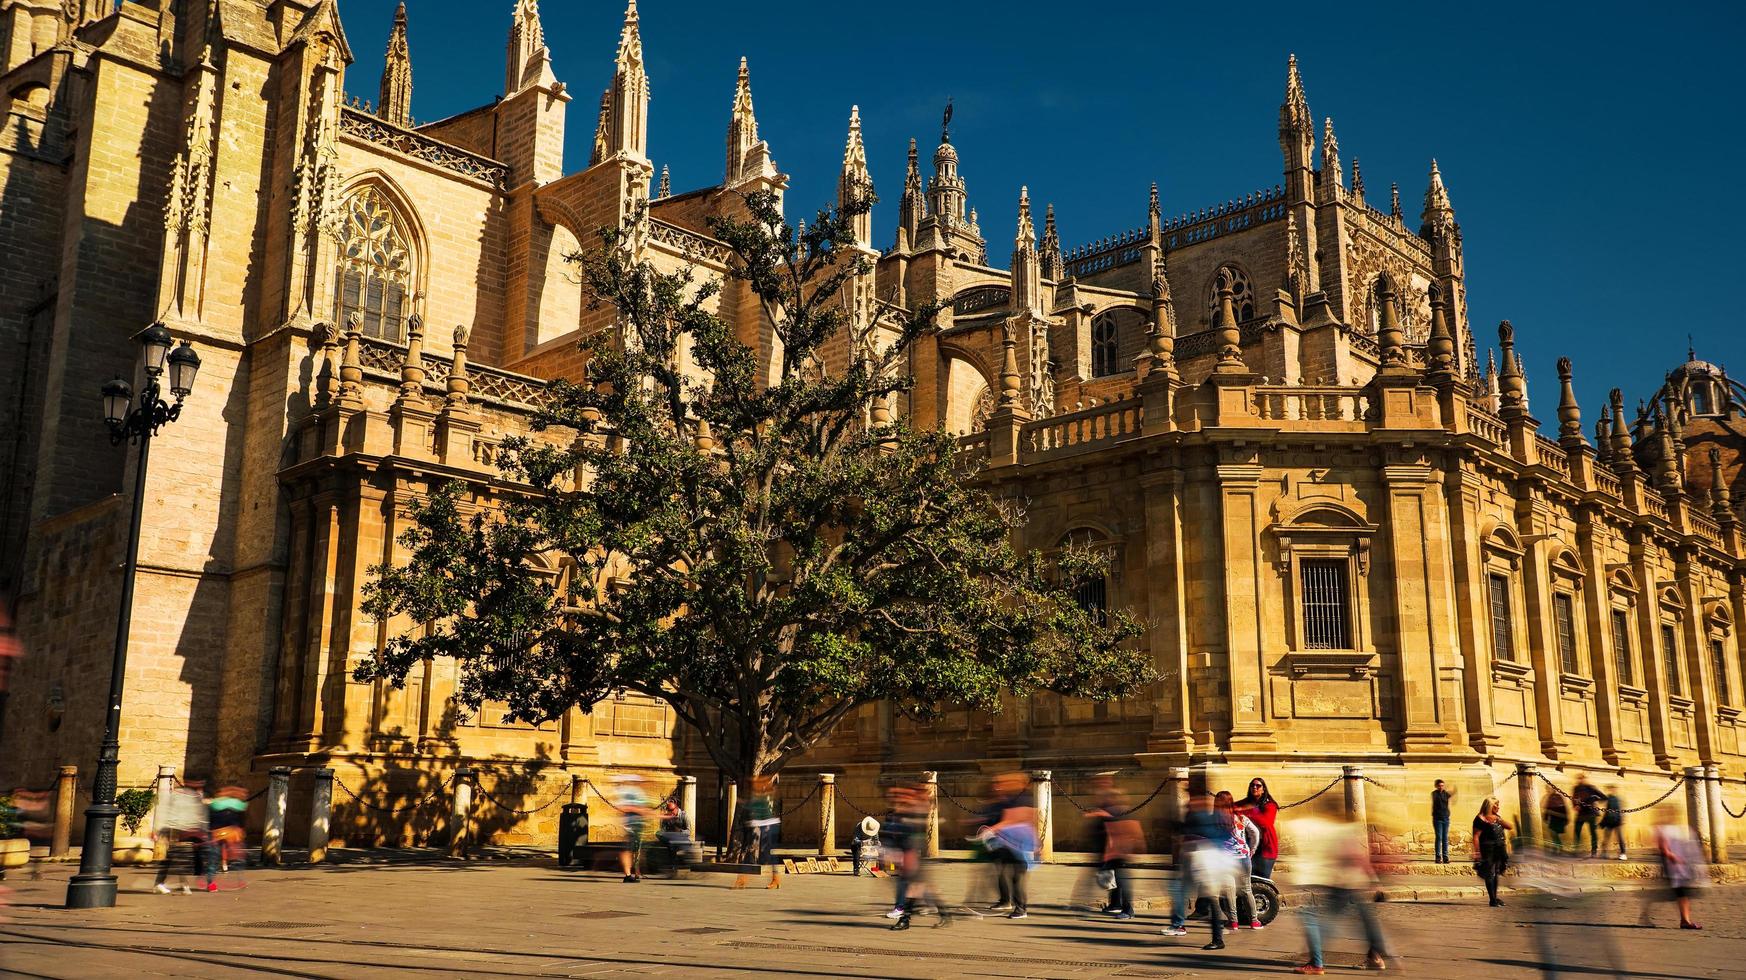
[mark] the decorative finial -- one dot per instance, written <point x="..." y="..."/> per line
<point x="459" y="384"/>
<point x="946" y="122"/>
<point x="1569" y="412"/>
<point x="1230" y="338"/>
<point x="1441" y="344"/>
<point x="1389" y="333"/>
<point x="666" y="189"/>
<point x="1009" y="374"/>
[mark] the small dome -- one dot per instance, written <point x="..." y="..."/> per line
<point x="1695" y="368"/>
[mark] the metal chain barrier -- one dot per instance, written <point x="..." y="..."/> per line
<point x="949" y="798"/>
<point x="257" y="795"/>
<point x="523" y="813"/>
<point x="1554" y="786"/>
<point x="1737" y="816"/>
<point x="1678" y="781"/>
<point x="1337" y="780"/>
<point x="388" y="809"/>
<point x="855" y="806"/>
<point x="797" y="804"/>
<point x="1136" y="808"/>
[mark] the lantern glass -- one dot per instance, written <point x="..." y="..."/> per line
<point x="117" y="398"/>
<point x="154" y="348"/>
<point x="184" y="365"/>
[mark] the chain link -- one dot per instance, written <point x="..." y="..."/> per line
<point x="1337" y="780"/>
<point x="797" y="804"/>
<point x="387" y="809"/>
<point x="854" y="806"/>
<point x="1737" y="816"/>
<point x="949" y="798"/>
<point x="1677" y="782"/>
<point x="524" y="813"/>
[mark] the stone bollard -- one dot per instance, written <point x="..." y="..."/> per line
<point x="688" y="800"/>
<point x="273" y="834"/>
<point x="461" y="817"/>
<point x="161" y="789"/>
<point x="1043" y="784"/>
<point x="578" y="786"/>
<point x="1175" y="798"/>
<point x="730" y="802"/>
<point x="320" y="815"/>
<point x="827" y="814"/>
<point x="1527" y="787"/>
<point x="931" y="780"/>
<point x="66" y="798"/>
<point x="1355" y="811"/>
<point x="1697" y="806"/>
<point x="1718" y="816"/>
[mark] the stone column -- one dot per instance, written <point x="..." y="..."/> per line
<point x="461" y="817"/>
<point x="688" y="801"/>
<point x="1528" y="821"/>
<point x="1175" y="797"/>
<point x="932" y="781"/>
<point x="1697" y="805"/>
<point x="1355" y="810"/>
<point x="66" y="798"/>
<point x="162" y="787"/>
<point x="1043" y="783"/>
<point x="273" y="834"/>
<point x="1718" y="816"/>
<point x="320" y="815"/>
<point x="827" y="814"/>
<point x="578" y="787"/>
<point x="730" y="801"/>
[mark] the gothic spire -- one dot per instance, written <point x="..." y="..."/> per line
<point x="530" y="61"/>
<point x="1394" y="202"/>
<point x="1050" y="263"/>
<point x="856" y="184"/>
<point x="395" y="104"/>
<point x="1027" y="229"/>
<point x="1297" y="135"/>
<point x="1357" y="181"/>
<point x="1331" y="172"/>
<point x="602" y="129"/>
<point x="912" y="206"/>
<point x="742" y="133"/>
<point x="1154" y="217"/>
<point x="666" y="189"/>
<point x="1438" y="215"/>
<point x="1027" y="282"/>
<point x="1569" y="412"/>
<point x="630" y="91"/>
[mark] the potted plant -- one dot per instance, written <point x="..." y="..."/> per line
<point x="135" y="805"/>
<point x="14" y="848"/>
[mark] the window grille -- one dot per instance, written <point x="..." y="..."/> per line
<point x="1670" y="650"/>
<point x="1719" y="656"/>
<point x="1327" y="604"/>
<point x="375" y="266"/>
<point x="1093" y="597"/>
<point x="1104" y="338"/>
<point x="1563" y="616"/>
<point x="1503" y="631"/>
<point x="1622" y="645"/>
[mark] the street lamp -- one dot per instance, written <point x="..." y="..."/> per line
<point x="94" y="885"/>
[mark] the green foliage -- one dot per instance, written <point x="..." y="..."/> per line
<point x="11" y="822"/>
<point x="134" y="805"/>
<point x="751" y="550"/>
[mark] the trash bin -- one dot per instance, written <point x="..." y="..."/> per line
<point x="572" y="833"/>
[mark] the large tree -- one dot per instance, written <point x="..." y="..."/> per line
<point x="763" y="547"/>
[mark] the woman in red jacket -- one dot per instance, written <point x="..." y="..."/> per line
<point x="1260" y="807"/>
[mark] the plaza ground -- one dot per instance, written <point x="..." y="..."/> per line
<point x="418" y="915"/>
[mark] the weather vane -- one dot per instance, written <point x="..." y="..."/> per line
<point x="946" y="123"/>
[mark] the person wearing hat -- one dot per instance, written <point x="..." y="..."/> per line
<point x="865" y="843"/>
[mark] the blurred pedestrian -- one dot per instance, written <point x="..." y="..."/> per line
<point x="227" y="816"/>
<point x="1682" y="867"/>
<point x="1332" y="863"/>
<point x="1440" y="797"/>
<point x="1590" y="805"/>
<point x="1243" y="838"/>
<point x="1120" y="840"/>
<point x="912" y="862"/>
<point x="1556" y="816"/>
<point x="635" y="813"/>
<point x="1612" y="821"/>
<point x="1214" y="878"/>
<point x="1491" y="846"/>
<point x="1012" y="841"/>
<point x="1201" y="825"/>
<point x="1260" y="807"/>
<point x="183" y="817"/>
<point x="763" y="822"/>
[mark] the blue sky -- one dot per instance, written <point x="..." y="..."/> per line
<point x="1592" y="152"/>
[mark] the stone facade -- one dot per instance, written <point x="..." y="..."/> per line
<point x="1351" y="541"/>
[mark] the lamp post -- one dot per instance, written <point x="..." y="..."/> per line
<point x="94" y="885"/>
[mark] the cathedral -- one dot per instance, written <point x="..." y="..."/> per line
<point x="1333" y="506"/>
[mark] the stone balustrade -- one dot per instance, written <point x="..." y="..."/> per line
<point x="1289" y="403"/>
<point x="1081" y="430"/>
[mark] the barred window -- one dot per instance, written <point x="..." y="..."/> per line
<point x="1670" y="651"/>
<point x="1503" y="631"/>
<point x="375" y="266"/>
<point x="1719" y="657"/>
<point x="1104" y="338"/>
<point x="1093" y="597"/>
<point x="1327" y="609"/>
<point x="1622" y="645"/>
<point x="1563" y="617"/>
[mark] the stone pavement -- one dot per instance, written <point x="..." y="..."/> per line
<point x="417" y="915"/>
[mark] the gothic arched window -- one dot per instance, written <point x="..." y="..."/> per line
<point x="1242" y="293"/>
<point x="1104" y="342"/>
<point x="375" y="266"/>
